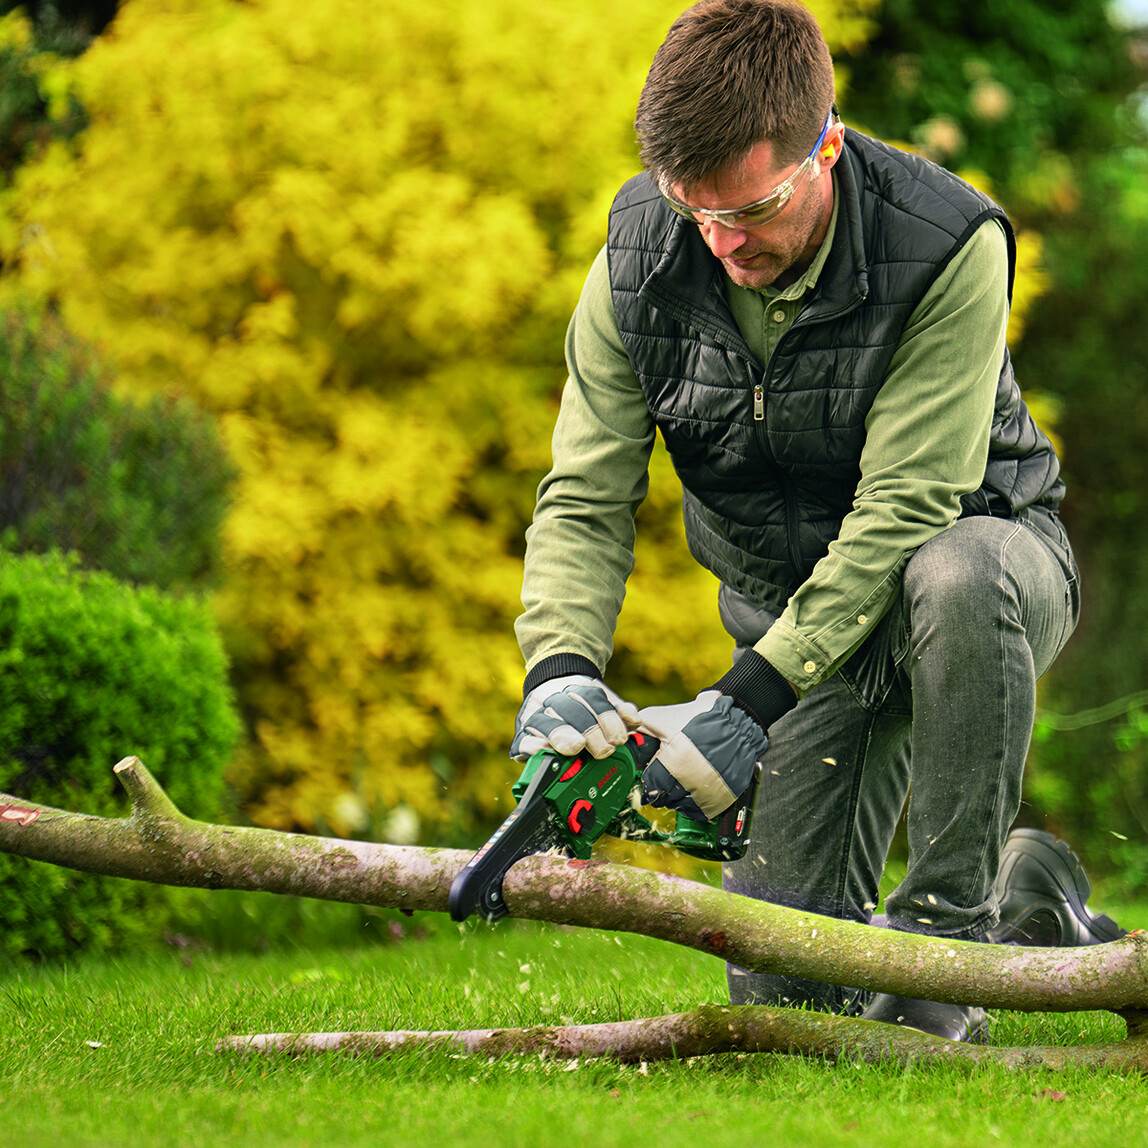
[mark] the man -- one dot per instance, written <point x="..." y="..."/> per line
<point x="816" y="324"/>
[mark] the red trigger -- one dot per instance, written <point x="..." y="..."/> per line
<point x="574" y="818"/>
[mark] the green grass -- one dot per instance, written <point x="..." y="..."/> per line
<point x="122" y="1052"/>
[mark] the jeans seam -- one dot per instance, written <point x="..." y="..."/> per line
<point x="1004" y="716"/>
<point x="1061" y="551"/>
<point x="850" y="837"/>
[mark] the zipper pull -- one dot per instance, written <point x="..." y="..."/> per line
<point x="758" y="403"/>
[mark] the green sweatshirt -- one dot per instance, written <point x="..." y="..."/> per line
<point x="926" y="445"/>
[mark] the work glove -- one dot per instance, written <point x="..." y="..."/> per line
<point x="569" y="714"/>
<point x="710" y="746"/>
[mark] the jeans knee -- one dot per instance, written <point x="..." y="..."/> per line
<point x="967" y="572"/>
<point x="951" y="589"/>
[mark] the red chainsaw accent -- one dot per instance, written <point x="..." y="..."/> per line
<point x="639" y="739"/>
<point x="574" y="817"/>
<point x="571" y="769"/>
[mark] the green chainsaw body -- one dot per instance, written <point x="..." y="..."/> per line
<point x="568" y="803"/>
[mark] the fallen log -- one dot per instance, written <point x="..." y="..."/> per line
<point x="704" y="1031"/>
<point x="155" y="842"/>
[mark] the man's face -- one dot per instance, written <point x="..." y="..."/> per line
<point x="775" y="253"/>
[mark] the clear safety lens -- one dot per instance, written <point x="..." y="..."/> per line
<point x="759" y="212"/>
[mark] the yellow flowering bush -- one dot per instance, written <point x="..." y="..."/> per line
<point x="354" y="232"/>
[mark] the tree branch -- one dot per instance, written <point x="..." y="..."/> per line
<point x="706" y="1030"/>
<point x="157" y="843"/>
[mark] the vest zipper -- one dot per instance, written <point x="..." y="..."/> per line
<point x="792" y="523"/>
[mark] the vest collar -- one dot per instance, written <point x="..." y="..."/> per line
<point x="844" y="281"/>
<point x="688" y="283"/>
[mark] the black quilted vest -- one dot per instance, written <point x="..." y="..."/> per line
<point x="764" y="497"/>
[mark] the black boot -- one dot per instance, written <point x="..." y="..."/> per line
<point x="1043" y="892"/>
<point x="953" y="1022"/>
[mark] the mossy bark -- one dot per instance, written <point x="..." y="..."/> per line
<point x="157" y="843"/>
<point x="707" y="1030"/>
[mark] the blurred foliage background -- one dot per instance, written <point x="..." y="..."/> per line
<point x="350" y="236"/>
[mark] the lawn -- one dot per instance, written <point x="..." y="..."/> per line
<point x="122" y="1052"/>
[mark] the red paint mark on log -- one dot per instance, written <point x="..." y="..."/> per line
<point x="716" y="940"/>
<point x="17" y="814"/>
<point x="577" y="864"/>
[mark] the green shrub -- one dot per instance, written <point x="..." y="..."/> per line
<point x="92" y="671"/>
<point x="137" y="490"/>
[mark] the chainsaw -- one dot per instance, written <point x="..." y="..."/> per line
<point x="567" y="803"/>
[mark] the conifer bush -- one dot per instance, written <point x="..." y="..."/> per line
<point x="92" y="671"/>
<point x="138" y="489"/>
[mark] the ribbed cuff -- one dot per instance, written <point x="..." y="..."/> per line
<point x="758" y="687"/>
<point x="559" y="666"/>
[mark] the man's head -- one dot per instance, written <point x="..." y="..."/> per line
<point x="730" y="74"/>
<point x="735" y="127"/>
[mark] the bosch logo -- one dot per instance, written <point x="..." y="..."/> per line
<point x="610" y="774"/>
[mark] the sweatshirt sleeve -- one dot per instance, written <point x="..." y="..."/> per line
<point x="926" y="445"/>
<point x="580" y="547"/>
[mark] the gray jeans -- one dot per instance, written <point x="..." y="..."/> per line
<point x="940" y="700"/>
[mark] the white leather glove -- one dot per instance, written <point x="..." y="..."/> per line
<point x="708" y="752"/>
<point x="570" y="714"/>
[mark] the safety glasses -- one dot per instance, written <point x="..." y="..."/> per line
<point x="760" y="211"/>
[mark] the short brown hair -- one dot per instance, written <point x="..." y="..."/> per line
<point x="729" y="74"/>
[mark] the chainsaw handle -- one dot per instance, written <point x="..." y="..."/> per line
<point x="642" y="747"/>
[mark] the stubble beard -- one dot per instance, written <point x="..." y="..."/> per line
<point x="765" y="269"/>
<point x="775" y="257"/>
